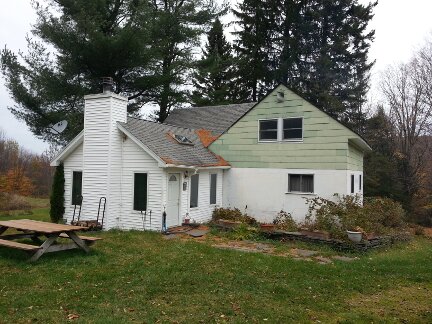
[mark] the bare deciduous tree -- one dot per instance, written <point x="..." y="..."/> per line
<point x="407" y="89"/>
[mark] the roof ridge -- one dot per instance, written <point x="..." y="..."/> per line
<point x="233" y="104"/>
<point x="158" y="123"/>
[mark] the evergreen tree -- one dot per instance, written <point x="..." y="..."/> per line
<point x="74" y="44"/>
<point x="381" y="175"/>
<point x="251" y="49"/>
<point x="176" y="32"/>
<point x="213" y="78"/>
<point x="57" y="195"/>
<point x="318" y="48"/>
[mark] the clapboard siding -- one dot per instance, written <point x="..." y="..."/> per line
<point x="135" y="160"/>
<point x="101" y="155"/>
<point x="203" y="212"/>
<point x="324" y="145"/>
<point x="73" y="162"/>
<point x="355" y="159"/>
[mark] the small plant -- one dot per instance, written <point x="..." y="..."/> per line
<point x="233" y="214"/>
<point x="10" y="202"/>
<point x="285" y="221"/>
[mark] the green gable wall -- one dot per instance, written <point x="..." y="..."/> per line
<point x="324" y="146"/>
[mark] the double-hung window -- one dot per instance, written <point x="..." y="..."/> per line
<point x="268" y="130"/>
<point x="293" y="129"/>
<point x="76" y="187"/>
<point x="140" y="192"/>
<point x="281" y="129"/>
<point x="303" y="183"/>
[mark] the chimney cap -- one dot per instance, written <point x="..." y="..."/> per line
<point x="107" y="84"/>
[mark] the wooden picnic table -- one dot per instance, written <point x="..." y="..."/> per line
<point x="37" y="231"/>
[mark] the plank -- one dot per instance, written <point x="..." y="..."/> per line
<point x="38" y="226"/>
<point x="84" y="238"/>
<point x="19" y="246"/>
<point x="44" y="247"/>
<point x="78" y="241"/>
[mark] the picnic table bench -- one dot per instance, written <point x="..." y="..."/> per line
<point x="36" y="231"/>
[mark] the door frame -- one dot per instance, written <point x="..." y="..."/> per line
<point x="179" y="174"/>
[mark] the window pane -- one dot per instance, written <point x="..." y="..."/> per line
<point x="307" y="183"/>
<point x="140" y="191"/>
<point x="268" y="135"/>
<point x="213" y="186"/>
<point x="194" y="191"/>
<point x="268" y="129"/>
<point x="293" y="134"/>
<point x="294" y="182"/>
<point x="76" y="187"/>
<point x="292" y="123"/>
<point x="268" y="124"/>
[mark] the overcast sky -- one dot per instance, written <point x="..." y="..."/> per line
<point x="400" y="29"/>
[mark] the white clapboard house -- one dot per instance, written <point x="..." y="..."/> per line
<point x="260" y="157"/>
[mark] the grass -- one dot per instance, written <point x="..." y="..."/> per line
<point x="136" y="276"/>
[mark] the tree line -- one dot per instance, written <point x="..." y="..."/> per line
<point x="400" y="132"/>
<point x="23" y="172"/>
<point x="151" y="50"/>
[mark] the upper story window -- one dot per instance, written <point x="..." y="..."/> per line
<point x="268" y="130"/>
<point x="293" y="129"/>
<point x="281" y="129"/>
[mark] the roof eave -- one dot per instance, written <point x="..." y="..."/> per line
<point x="360" y="143"/>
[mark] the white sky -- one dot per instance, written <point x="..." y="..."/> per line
<point x="400" y="26"/>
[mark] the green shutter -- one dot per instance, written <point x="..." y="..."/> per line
<point x="76" y="187"/>
<point x="213" y="188"/>
<point x="140" y="191"/>
<point x="194" y="191"/>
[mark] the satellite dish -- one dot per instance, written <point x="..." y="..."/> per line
<point x="59" y="127"/>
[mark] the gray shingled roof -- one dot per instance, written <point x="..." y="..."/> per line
<point x="156" y="137"/>
<point x="215" y="118"/>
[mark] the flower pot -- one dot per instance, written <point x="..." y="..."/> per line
<point x="355" y="237"/>
<point x="268" y="227"/>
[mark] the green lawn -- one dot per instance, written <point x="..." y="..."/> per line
<point x="136" y="276"/>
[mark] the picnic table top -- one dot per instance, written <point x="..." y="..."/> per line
<point x="40" y="227"/>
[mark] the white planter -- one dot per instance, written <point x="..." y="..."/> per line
<point x="354" y="236"/>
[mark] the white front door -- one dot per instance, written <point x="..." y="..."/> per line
<point x="173" y="204"/>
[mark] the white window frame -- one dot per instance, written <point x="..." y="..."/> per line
<point x="300" y="192"/>
<point x="133" y="191"/>
<point x="280" y="138"/>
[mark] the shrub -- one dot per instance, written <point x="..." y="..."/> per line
<point x="285" y="221"/>
<point x="13" y="202"/>
<point x="377" y="215"/>
<point x="232" y="214"/>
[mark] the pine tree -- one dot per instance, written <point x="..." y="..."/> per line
<point x="251" y="49"/>
<point x="175" y="34"/>
<point x="213" y="78"/>
<point x="57" y="195"/>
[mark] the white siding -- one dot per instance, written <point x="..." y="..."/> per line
<point x="265" y="191"/>
<point x="72" y="163"/>
<point x="135" y="160"/>
<point x="203" y="212"/>
<point x="101" y="155"/>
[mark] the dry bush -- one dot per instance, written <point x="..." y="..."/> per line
<point x="232" y="214"/>
<point x="13" y="202"/>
